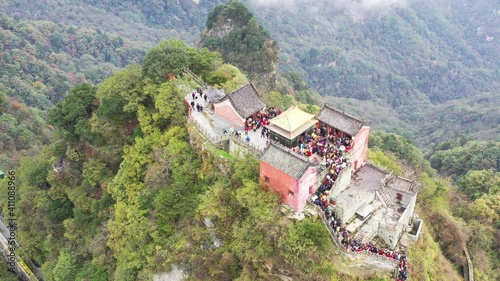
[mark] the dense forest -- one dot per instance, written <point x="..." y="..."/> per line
<point x="113" y="186"/>
<point x="40" y="61"/>
<point x="427" y="70"/>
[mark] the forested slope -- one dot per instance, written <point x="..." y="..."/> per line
<point x="423" y="71"/>
<point x="416" y="67"/>
<point x="133" y="189"/>
<point x="39" y="62"/>
<point x="145" y="21"/>
<point x="42" y="60"/>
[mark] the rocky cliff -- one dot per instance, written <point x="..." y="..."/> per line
<point x="236" y="34"/>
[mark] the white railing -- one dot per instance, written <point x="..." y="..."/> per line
<point x="205" y="133"/>
<point x="248" y="145"/>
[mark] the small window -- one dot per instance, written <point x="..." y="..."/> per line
<point x="290" y="193"/>
<point x="267" y="179"/>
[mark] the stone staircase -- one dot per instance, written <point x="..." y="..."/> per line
<point x="386" y="197"/>
<point x="359" y="237"/>
<point x="195" y="78"/>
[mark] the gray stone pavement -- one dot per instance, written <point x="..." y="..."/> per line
<point x="215" y="125"/>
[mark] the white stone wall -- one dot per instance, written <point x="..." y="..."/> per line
<point x="389" y="235"/>
<point x="420" y="224"/>
<point x="346" y="209"/>
<point x="406" y="197"/>
<point x="342" y="181"/>
<point x="408" y="213"/>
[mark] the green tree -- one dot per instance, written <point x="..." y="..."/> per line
<point x="66" y="267"/>
<point x="171" y="56"/>
<point x="167" y="58"/>
<point x="71" y="115"/>
<point x="477" y="183"/>
<point x="91" y="272"/>
<point x="302" y="237"/>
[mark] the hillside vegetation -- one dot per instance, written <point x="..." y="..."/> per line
<point x="132" y="194"/>
<point x="237" y="35"/>
<point x="39" y="62"/>
<point x="424" y="69"/>
<point x="427" y="69"/>
<point x="135" y="186"/>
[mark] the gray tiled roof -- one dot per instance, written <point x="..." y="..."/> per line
<point x="340" y="120"/>
<point x="288" y="162"/>
<point x="246" y="100"/>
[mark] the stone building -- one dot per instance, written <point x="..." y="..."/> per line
<point x="376" y="203"/>
<point x="239" y="105"/>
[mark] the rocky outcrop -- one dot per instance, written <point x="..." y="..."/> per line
<point x="236" y="34"/>
<point x="221" y="29"/>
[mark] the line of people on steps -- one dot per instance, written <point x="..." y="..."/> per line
<point x="353" y="245"/>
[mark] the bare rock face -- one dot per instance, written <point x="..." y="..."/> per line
<point x="222" y="28"/>
<point x="176" y="274"/>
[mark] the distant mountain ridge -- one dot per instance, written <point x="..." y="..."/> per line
<point x="39" y="62"/>
<point x="403" y="63"/>
<point x="406" y="65"/>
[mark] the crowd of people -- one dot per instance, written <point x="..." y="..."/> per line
<point x="353" y="245"/>
<point x="260" y="120"/>
<point x="323" y="143"/>
<point x="402" y="269"/>
<point x="331" y="148"/>
<point x="199" y="93"/>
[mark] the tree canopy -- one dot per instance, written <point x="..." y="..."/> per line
<point x="171" y="56"/>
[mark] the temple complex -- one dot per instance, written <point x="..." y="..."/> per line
<point x="318" y="160"/>
<point x="322" y="159"/>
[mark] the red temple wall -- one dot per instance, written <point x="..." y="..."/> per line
<point x="278" y="180"/>
<point x="360" y="148"/>
<point x="293" y="192"/>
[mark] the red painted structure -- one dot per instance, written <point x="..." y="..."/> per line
<point x="360" y="147"/>
<point x="237" y="106"/>
<point x="294" y="177"/>
<point x="294" y="192"/>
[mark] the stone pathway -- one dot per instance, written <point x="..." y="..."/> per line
<point x="214" y="125"/>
